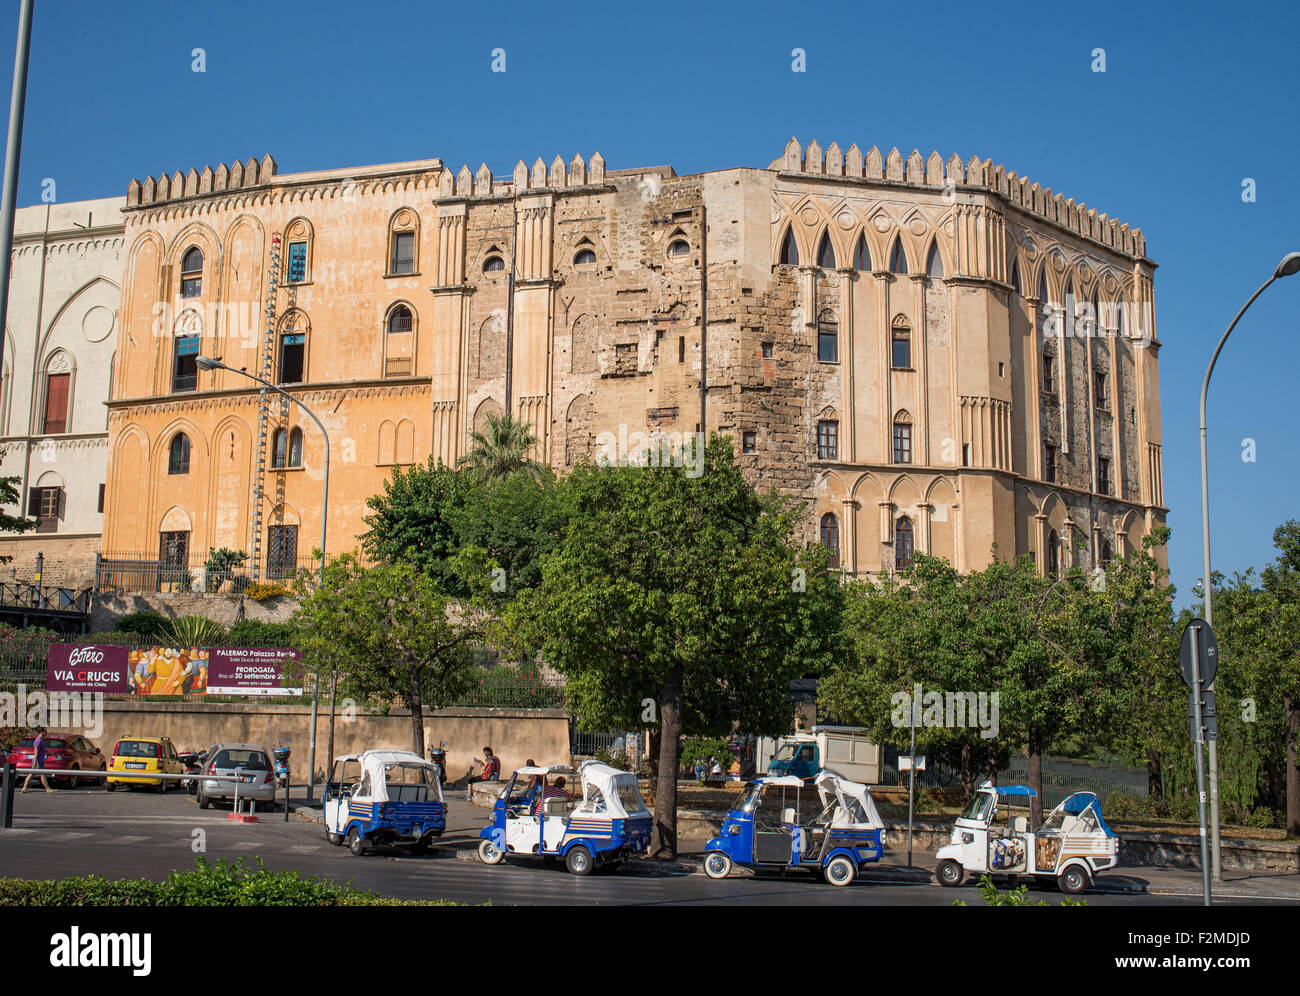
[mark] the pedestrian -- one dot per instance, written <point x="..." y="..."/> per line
<point x="491" y="772"/>
<point x="38" y="760"/>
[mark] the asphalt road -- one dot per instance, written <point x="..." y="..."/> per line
<point x="140" y="834"/>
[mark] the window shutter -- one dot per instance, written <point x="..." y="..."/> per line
<point x="34" y="503"/>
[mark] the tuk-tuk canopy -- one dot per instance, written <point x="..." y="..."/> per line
<point x="618" y="788"/>
<point x="375" y="763"/>
<point x="846" y="793"/>
<point x="1008" y="789"/>
<point x="1080" y="802"/>
<point x="547" y="769"/>
<point x="781" y="781"/>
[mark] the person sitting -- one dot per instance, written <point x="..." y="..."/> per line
<point x="491" y="772"/>
<point x="556" y="791"/>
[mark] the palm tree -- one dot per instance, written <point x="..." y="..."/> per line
<point x="503" y="449"/>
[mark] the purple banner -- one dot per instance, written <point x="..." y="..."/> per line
<point x="249" y="671"/>
<point x="88" y="668"/>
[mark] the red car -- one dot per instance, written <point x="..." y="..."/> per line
<point x="65" y="751"/>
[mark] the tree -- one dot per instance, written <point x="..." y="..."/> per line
<point x="503" y="449"/>
<point x="412" y="521"/>
<point x="684" y="596"/>
<point x="10" y="495"/>
<point x="393" y="632"/>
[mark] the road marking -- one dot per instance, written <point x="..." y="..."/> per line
<point x="58" y="837"/>
<point x="133" y="839"/>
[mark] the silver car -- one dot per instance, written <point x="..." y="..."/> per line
<point x="250" y="762"/>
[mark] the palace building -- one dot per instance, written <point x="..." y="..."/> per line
<point x="934" y="355"/>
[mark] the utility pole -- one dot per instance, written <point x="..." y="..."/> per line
<point x="13" y="150"/>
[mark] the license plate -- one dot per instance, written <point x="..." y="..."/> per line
<point x="135" y="765"/>
<point x="246" y="778"/>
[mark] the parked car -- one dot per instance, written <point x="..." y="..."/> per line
<point x="144" y="755"/>
<point x="253" y="766"/>
<point x="64" y="751"/>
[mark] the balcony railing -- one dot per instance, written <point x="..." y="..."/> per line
<point x="184" y="382"/>
<point x="397" y="366"/>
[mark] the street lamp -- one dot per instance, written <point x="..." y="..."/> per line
<point x="210" y="363"/>
<point x="1289" y="265"/>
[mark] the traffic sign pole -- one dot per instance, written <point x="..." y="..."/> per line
<point x="1200" y="762"/>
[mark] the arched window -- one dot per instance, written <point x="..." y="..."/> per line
<point x="934" y="263"/>
<point x="897" y="258"/>
<point x="1015" y="277"/>
<point x="862" y="255"/>
<point x="830" y="536"/>
<point x="58" y="390"/>
<point x="828" y="336"/>
<point x="904" y="542"/>
<point x="1071" y="317"/>
<point x="584" y="257"/>
<point x="902" y="438"/>
<point x="494" y="264"/>
<point x="192" y="272"/>
<point x="279" y="448"/>
<point x="1043" y="295"/>
<point x="295" y="447"/>
<point x="789" y="249"/>
<point x="826" y="252"/>
<point x="178" y="455"/>
<point x="1107" y="555"/>
<point x="399" y="319"/>
<point x="1049" y="372"/>
<point x="293" y="353"/>
<point x="679" y="247"/>
<point x="1053" y="555"/>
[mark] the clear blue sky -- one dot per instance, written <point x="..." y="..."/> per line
<point x="1195" y="98"/>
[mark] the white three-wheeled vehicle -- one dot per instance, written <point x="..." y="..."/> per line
<point x="1072" y="845"/>
<point x="384" y="797"/>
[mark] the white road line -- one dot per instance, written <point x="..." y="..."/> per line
<point x="58" y="837"/>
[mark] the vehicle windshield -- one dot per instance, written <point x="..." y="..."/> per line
<point x="979" y="807"/>
<point x="49" y="744"/>
<point x="137" y="748"/>
<point x="251" y="760"/>
<point x="748" y="799"/>
<point x="629" y="796"/>
<point x="786" y="753"/>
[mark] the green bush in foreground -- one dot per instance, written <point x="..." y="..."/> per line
<point x="1018" y="896"/>
<point x="220" y="884"/>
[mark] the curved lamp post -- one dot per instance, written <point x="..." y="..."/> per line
<point x="1289" y="265"/>
<point x="209" y="363"/>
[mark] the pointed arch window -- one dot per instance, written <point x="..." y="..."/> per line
<point x="934" y="264"/>
<point x="58" y="388"/>
<point x="789" y="250"/>
<point x="830" y="537"/>
<point x="494" y="264"/>
<point x="584" y="257"/>
<point x="1053" y="555"/>
<point x="1044" y="296"/>
<point x="178" y="455"/>
<point x="192" y="272"/>
<point x="828" y="338"/>
<point x="897" y="258"/>
<point x="904" y="542"/>
<point x="862" y="255"/>
<point x="826" y="252"/>
<point x="1015" y="278"/>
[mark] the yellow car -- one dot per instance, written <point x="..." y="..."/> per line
<point x="155" y="755"/>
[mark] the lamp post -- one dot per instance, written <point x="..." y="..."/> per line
<point x="1289" y="265"/>
<point x="210" y="363"/>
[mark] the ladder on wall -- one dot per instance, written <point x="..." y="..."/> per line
<point x="267" y="373"/>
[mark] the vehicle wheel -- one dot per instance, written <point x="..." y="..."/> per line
<point x="161" y="787"/>
<point x="579" y="861"/>
<point x="488" y="853"/>
<point x="840" y="871"/>
<point x="356" y="843"/>
<point x="111" y="786"/>
<point x="334" y="838"/>
<point x="71" y="781"/>
<point x="204" y="801"/>
<point x="717" y="865"/>
<point x="949" y="873"/>
<point x="1073" y="881"/>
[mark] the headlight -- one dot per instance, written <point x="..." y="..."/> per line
<point x="733" y="829"/>
<point x="968" y="838"/>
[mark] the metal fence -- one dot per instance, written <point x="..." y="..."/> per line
<point x="124" y="573"/>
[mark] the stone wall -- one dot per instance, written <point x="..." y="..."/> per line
<point x="225" y="609"/>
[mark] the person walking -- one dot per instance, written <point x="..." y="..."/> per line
<point x="38" y="761"/>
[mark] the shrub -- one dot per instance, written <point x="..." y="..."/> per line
<point x="221" y="566"/>
<point x="260" y="591"/>
<point x="705" y="749"/>
<point x="192" y="631"/>
<point x="1262" y="818"/>
<point x="252" y="633"/>
<point x="145" y="623"/>
<point x="220" y="884"/>
<point x="1018" y="896"/>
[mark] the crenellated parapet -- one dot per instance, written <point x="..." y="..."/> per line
<point x="239" y="176"/>
<point x="935" y="171"/>
<point x="578" y="172"/>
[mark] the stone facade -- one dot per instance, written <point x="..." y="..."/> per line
<point x="64" y="296"/>
<point x="933" y="355"/>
